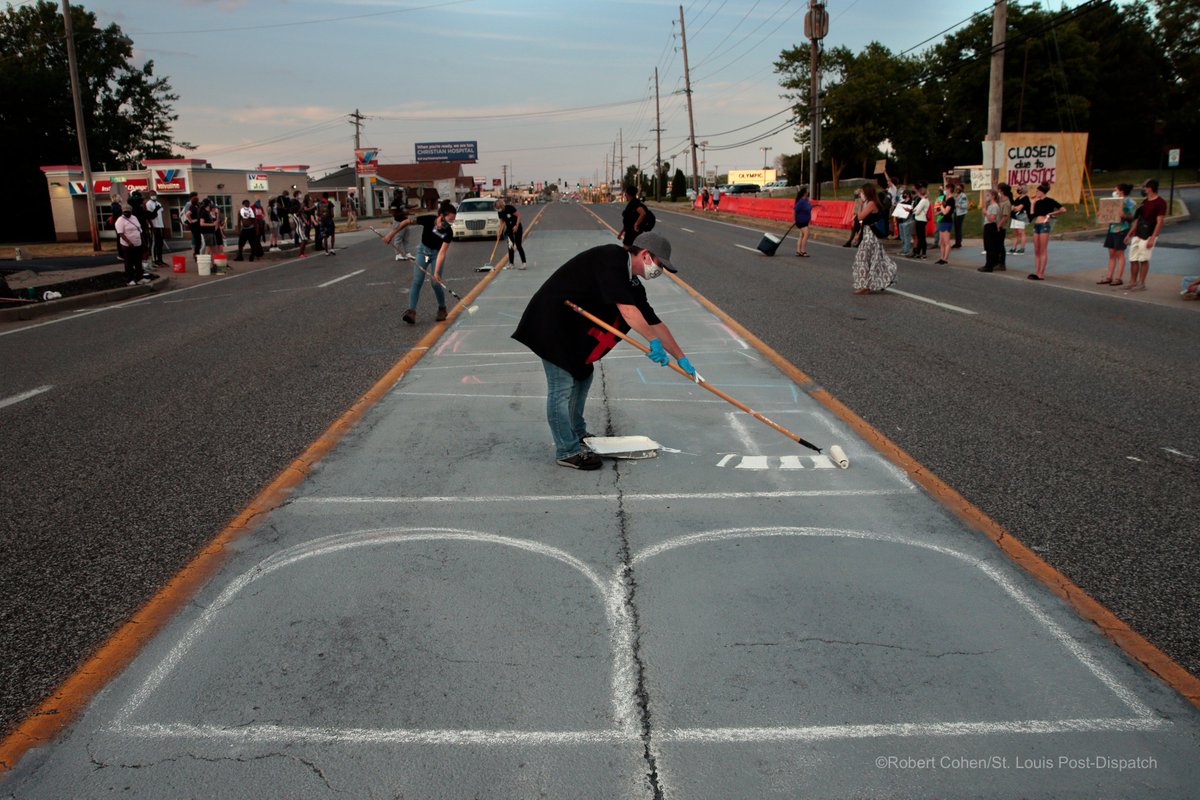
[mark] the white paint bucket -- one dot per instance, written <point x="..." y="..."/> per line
<point x="204" y="264"/>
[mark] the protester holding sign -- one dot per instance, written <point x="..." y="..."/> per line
<point x="1114" y="242"/>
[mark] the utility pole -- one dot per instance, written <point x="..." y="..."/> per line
<point x="687" y="87"/>
<point x="658" y="129"/>
<point x="816" y="28"/>
<point x="621" y="150"/>
<point x="504" y="180"/>
<point x="637" y="179"/>
<point x="356" y="119"/>
<point x="80" y="129"/>
<point x="765" y="150"/>
<point x="996" y="85"/>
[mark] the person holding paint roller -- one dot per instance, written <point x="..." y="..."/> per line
<point x="513" y="230"/>
<point x="605" y="281"/>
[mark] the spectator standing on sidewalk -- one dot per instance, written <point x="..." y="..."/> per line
<point x="275" y="219"/>
<point x="351" y="211"/>
<point x="1045" y="209"/>
<point x="1021" y="209"/>
<point x="327" y="224"/>
<point x="299" y="224"/>
<point x="248" y="232"/>
<point x="1144" y="233"/>
<point x="129" y="236"/>
<point x="962" y="204"/>
<point x="1005" y="199"/>
<point x="944" y="210"/>
<point x="921" y="208"/>
<point x="903" y="214"/>
<point x="155" y="210"/>
<point x="604" y="281"/>
<point x="1114" y="242"/>
<point x="991" y="234"/>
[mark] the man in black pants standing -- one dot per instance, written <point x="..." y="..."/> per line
<point x="248" y="232"/>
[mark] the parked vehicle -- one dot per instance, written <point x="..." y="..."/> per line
<point x="743" y="188"/>
<point x="476" y="217"/>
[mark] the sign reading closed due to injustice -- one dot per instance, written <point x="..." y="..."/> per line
<point x="1032" y="164"/>
<point x="1056" y="158"/>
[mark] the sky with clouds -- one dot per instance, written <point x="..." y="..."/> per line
<point x="546" y="87"/>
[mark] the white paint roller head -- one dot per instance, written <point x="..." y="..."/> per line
<point x="838" y="456"/>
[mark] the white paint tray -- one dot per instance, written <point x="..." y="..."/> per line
<point x="623" y="446"/>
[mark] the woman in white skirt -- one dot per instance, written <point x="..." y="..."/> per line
<point x="873" y="270"/>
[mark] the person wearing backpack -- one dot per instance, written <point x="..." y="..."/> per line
<point x="635" y="219"/>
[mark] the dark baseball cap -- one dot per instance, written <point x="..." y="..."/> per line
<point x="658" y="246"/>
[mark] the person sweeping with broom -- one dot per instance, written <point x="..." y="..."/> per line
<point x="605" y="282"/>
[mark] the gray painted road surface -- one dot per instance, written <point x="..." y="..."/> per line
<point x="442" y="611"/>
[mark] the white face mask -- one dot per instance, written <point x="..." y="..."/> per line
<point x="1116" y="194"/>
<point x="650" y="269"/>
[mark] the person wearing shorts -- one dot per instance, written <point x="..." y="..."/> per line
<point x="1114" y="242"/>
<point x="1144" y="234"/>
<point x="1045" y="208"/>
<point x="802" y="216"/>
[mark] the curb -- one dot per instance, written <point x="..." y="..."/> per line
<point x="45" y="309"/>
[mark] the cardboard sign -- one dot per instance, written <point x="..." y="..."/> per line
<point x="981" y="180"/>
<point x="1109" y="211"/>
<point x="881" y="166"/>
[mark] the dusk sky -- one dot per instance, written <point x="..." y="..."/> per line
<point x="544" y="87"/>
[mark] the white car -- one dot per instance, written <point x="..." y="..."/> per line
<point x="476" y="217"/>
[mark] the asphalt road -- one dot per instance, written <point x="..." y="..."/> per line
<point x="1069" y="418"/>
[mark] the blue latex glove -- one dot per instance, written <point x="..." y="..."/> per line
<point x="686" y="366"/>
<point x="657" y="354"/>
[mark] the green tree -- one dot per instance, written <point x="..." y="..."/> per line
<point x="1178" y="35"/>
<point x="679" y="185"/>
<point x="127" y="110"/>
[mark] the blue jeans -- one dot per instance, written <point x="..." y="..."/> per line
<point x="565" y="398"/>
<point x="425" y="258"/>
<point x="906" y="237"/>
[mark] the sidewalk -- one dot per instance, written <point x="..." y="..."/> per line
<point x="439" y="610"/>
<point x="1075" y="263"/>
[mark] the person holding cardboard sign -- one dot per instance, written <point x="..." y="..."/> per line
<point x="1114" y="242"/>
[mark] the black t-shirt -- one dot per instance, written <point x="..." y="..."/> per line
<point x="596" y="280"/>
<point x="432" y="236"/>
<point x="630" y="215"/>
<point x="508" y="215"/>
<point x="1044" y="206"/>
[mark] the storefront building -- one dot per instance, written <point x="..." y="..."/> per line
<point x="173" y="179"/>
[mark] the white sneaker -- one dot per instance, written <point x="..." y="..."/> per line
<point x="521" y="267"/>
<point x="132" y="283"/>
<point x="401" y="257"/>
<point x="274" y="250"/>
<point x="144" y="280"/>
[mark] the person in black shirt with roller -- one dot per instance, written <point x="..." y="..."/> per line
<point x="512" y="231"/>
<point x="605" y="282"/>
<point x="436" y="237"/>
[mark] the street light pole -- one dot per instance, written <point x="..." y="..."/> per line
<point x="80" y="129"/>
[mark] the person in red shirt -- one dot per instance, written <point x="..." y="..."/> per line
<point x="1144" y="234"/>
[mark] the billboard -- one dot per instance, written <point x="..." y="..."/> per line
<point x="257" y="182"/>
<point x="759" y="176"/>
<point x="447" y="151"/>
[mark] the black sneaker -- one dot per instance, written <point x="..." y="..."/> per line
<point x="409" y="316"/>
<point x="582" y="460"/>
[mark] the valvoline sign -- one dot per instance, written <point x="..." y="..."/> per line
<point x="170" y="181"/>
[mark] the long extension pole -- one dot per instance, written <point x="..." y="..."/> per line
<point x="696" y="379"/>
